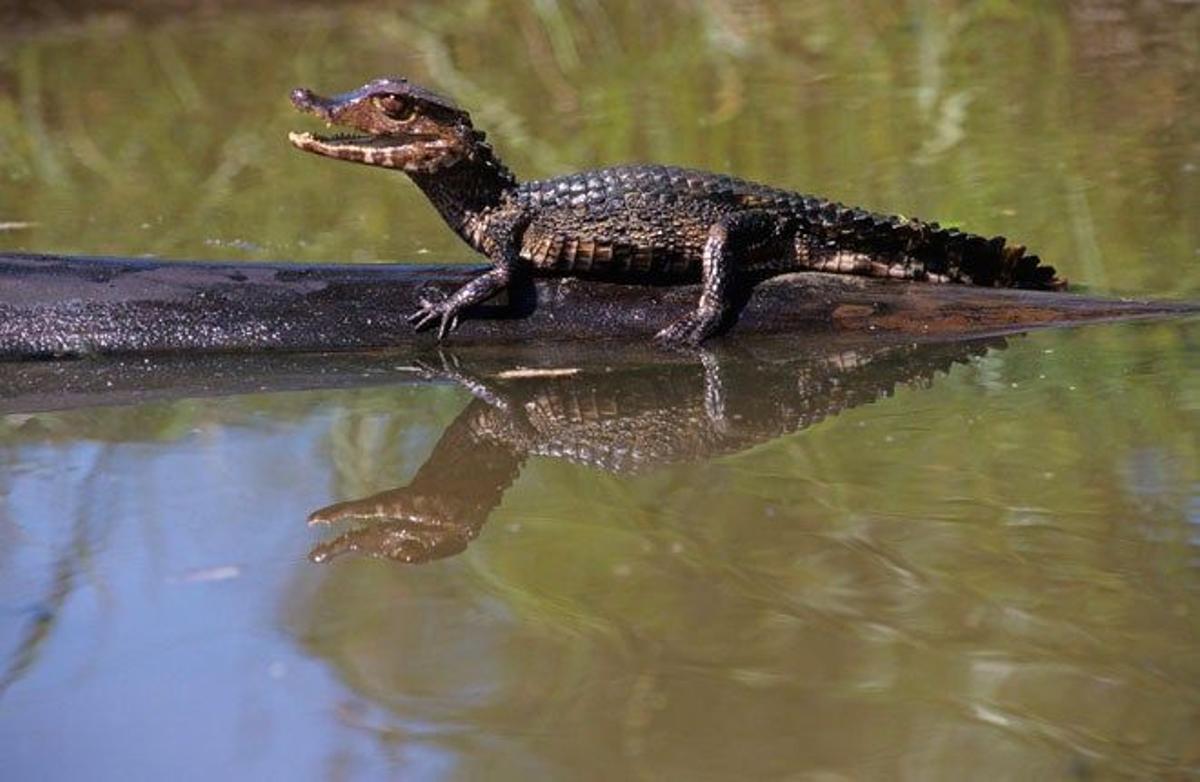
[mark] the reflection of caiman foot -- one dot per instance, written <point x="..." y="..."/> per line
<point x="451" y="369"/>
<point x="397" y="530"/>
<point x="399" y="541"/>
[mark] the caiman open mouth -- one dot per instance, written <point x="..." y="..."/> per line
<point x="312" y="142"/>
<point x="385" y="130"/>
<point x="327" y="109"/>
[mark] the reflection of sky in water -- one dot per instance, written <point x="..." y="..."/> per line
<point x="171" y="636"/>
<point x="184" y="555"/>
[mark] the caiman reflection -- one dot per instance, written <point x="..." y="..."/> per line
<point x="618" y="420"/>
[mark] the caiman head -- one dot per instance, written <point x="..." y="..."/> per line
<point x="398" y="125"/>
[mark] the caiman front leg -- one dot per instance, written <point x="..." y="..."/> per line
<point x="502" y="246"/>
<point x="732" y="240"/>
<point x="446" y="312"/>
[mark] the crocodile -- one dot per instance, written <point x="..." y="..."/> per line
<point x="635" y="223"/>
<point x="624" y="421"/>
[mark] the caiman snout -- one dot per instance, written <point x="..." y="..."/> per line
<point x="308" y="101"/>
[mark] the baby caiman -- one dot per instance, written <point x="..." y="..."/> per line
<point x="636" y="223"/>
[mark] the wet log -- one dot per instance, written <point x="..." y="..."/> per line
<point x="57" y="306"/>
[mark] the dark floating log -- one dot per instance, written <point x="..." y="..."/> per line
<point x="53" y="306"/>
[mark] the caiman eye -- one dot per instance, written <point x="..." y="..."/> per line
<point x="395" y="107"/>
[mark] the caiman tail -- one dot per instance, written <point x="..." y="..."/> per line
<point x="853" y="241"/>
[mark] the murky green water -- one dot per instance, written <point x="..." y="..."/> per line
<point x="978" y="561"/>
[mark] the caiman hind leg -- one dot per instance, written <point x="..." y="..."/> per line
<point x="733" y="241"/>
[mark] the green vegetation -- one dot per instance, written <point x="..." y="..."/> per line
<point x="125" y="136"/>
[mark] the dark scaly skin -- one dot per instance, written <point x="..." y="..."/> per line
<point x="637" y="223"/>
<point x="623" y="421"/>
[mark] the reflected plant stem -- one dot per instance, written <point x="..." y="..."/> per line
<point x="64" y="577"/>
<point x="48" y="609"/>
<point x="45" y="618"/>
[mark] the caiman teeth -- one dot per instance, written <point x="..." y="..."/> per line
<point x="306" y="136"/>
<point x="312" y="141"/>
<point x="363" y="147"/>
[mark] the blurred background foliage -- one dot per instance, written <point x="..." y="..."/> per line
<point x="996" y="572"/>
<point x="1069" y="126"/>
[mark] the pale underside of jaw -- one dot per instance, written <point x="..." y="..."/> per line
<point x="416" y="152"/>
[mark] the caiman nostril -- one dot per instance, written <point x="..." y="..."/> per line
<point x="303" y="98"/>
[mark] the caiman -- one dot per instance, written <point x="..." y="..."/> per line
<point x="636" y="223"/>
